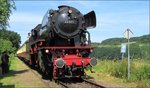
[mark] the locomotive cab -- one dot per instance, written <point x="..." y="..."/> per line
<point x="68" y="21"/>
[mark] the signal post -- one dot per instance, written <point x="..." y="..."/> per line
<point x="127" y="35"/>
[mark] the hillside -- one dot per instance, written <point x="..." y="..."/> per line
<point x="110" y="48"/>
<point x="116" y="41"/>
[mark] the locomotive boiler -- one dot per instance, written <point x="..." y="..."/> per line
<point x="60" y="45"/>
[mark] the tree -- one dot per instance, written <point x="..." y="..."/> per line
<point x="6" y="45"/>
<point x="11" y="36"/>
<point x="6" y="7"/>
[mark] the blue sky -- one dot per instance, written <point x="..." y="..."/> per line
<point x="113" y="17"/>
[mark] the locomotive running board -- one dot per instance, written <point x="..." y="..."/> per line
<point x="76" y="47"/>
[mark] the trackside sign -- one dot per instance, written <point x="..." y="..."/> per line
<point x="123" y="48"/>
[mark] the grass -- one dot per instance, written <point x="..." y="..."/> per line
<point x="7" y="79"/>
<point x="19" y="76"/>
<point x="115" y="72"/>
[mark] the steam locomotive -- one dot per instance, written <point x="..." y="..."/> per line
<point x="60" y="45"/>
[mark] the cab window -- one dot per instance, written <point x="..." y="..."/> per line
<point x="45" y="20"/>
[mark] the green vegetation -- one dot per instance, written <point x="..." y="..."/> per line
<point x="6" y="45"/>
<point x="106" y="52"/>
<point x="11" y="36"/>
<point x="108" y="49"/>
<point x="118" y="41"/>
<point x="113" y="51"/>
<point x="19" y="76"/>
<point x="10" y="40"/>
<point x="6" y="7"/>
<point x="7" y="81"/>
<point x="116" y="72"/>
<point x="112" y="69"/>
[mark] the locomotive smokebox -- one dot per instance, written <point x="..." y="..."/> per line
<point x="67" y="21"/>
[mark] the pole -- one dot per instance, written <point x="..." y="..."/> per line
<point x="122" y="55"/>
<point x="128" y="55"/>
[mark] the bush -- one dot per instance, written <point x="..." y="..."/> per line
<point x="145" y="51"/>
<point x="120" y="69"/>
<point x="6" y="45"/>
<point x="140" y="70"/>
<point x="141" y="73"/>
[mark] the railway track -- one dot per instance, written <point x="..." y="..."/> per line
<point x="94" y="84"/>
<point x="84" y="84"/>
<point x="63" y="84"/>
<point x="80" y="84"/>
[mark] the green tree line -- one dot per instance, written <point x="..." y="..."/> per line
<point x="9" y="40"/>
<point x="116" y="41"/>
<point x="111" y="48"/>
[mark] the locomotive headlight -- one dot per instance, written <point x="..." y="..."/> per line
<point x="93" y="62"/>
<point x="46" y="51"/>
<point x="91" y="50"/>
<point x="70" y="11"/>
<point x="60" y="63"/>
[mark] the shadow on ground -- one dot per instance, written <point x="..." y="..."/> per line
<point x="7" y="86"/>
<point x="11" y="73"/>
<point x="75" y="80"/>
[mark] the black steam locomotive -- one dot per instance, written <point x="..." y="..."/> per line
<point x="60" y="46"/>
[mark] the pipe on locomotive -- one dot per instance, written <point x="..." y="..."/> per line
<point x="89" y="38"/>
